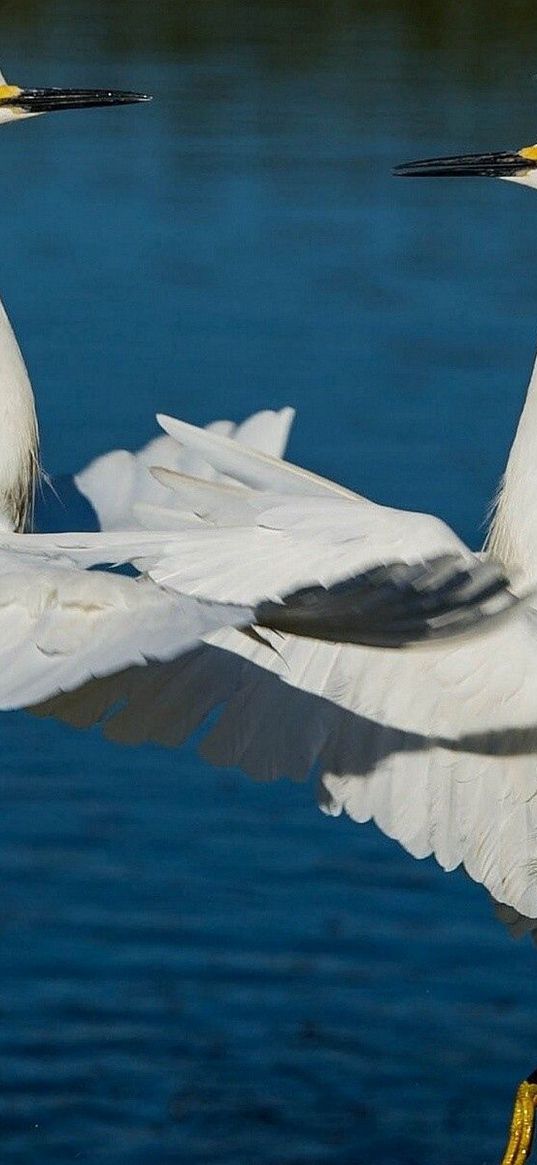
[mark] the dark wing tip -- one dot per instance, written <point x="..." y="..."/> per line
<point x="397" y="605"/>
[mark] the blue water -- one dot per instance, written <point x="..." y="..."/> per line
<point x="195" y="968"/>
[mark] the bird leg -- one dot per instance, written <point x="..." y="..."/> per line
<point x="522" y="1123"/>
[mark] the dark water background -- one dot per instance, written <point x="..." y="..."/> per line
<point x="194" y="968"/>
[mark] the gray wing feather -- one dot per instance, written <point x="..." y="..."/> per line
<point x="397" y="605"/>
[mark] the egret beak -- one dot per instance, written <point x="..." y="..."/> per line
<point x="28" y="101"/>
<point x="508" y="165"/>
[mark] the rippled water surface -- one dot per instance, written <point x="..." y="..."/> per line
<point x="195" y="968"/>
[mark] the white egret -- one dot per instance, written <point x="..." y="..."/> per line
<point x="438" y="745"/>
<point x="234" y="552"/>
<point x="269" y="590"/>
<point x="241" y="550"/>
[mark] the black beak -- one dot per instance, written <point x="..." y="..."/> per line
<point x="48" y="100"/>
<point x="468" y="166"/>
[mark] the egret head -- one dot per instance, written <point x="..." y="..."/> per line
<point x="516" y="166"/>
<point x="17" y="102"/>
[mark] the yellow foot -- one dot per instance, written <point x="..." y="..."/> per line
<point x="522" y="1123"/>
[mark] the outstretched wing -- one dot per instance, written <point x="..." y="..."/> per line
<point x="437" y="745"/>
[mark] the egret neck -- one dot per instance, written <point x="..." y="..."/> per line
<point x="19" y="442"/>
<point x="512" y="537"/>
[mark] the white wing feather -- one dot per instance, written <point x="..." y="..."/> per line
<point x="258" y="470"/>
<point x="116" y="483"/>
<point x="292" y="544"/>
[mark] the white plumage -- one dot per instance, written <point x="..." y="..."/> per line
<point x="436" y="742"/>
<point x="116" y="483"/>
<point x="19" y="441"/>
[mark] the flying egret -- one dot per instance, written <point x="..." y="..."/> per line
<point x="269" y="591"/>
<point x="438" y="745"/>
<point x="329" y="578"/>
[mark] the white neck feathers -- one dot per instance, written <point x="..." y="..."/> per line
<point x="512" y="538"/>
<point x="19" y="444"/>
